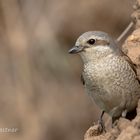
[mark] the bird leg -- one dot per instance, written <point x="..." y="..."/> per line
<point x="114" y="119"/>
<point x="101" y="122"/>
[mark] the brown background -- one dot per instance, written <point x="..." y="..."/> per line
<point x="40" y="89"/>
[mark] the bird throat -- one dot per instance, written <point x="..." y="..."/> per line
<point x="96" y="53"/>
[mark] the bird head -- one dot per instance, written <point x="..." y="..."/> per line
<point x="94" y="45"/>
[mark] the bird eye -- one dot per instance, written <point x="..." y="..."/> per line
<point x="91" y="41"/>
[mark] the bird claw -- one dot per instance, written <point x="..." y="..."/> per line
<point x="101" y="126"/>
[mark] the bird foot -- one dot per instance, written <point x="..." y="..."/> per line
<point x="101" y="126"/>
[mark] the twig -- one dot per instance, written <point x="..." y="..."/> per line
<point x="125" y="31"/>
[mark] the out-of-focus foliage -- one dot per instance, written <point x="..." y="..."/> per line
<point x="40" y="89"/>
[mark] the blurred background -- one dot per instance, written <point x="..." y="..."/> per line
<point x="40" y="89"/>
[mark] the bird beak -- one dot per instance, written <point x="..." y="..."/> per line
<point x="76" y="49"/>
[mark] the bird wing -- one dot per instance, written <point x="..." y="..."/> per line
<point x="132" y="65"/>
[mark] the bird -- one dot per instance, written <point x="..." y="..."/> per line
<point x="109" y="75"/>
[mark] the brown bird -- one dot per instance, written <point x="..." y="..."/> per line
<point x="109" y="75"/>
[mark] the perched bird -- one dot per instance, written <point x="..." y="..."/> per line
<point x="109" y="76"/>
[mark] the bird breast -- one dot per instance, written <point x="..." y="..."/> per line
<point x="110" y="82"/>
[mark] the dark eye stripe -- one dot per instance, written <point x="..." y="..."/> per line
<point x="102" y="42"/>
